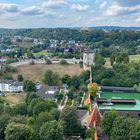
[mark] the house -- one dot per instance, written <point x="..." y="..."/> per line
<point x="3" y="59"/>
<point x="47" y="92"/>
<point x="11" y="86"/>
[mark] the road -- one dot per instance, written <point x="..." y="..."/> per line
<point x="39" y="61"/>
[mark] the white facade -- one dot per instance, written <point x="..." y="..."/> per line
<point x="88" y="60"/>
<point x="10" y="86"/>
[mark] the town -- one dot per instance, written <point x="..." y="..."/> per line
<point x="69" y="70"/>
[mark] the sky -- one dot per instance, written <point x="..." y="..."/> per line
<point x="68" y="13"/>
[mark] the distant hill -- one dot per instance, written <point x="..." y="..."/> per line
<point x="108" y="28"/>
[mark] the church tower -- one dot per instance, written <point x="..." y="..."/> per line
<point x="88" y="59"/>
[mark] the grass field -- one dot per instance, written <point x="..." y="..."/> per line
<point x="42" y="53"/>
<point x="13" y="99"/>
<point x="35" y="72"/>
<point x="133" y="58"/>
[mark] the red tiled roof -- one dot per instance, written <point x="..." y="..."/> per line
<point x="94" y="117"/>
<point x="87" y="101"/>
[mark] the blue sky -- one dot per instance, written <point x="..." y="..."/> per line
<point x="68" y="13"/>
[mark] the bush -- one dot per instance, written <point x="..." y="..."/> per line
<point x="32" y="63"/>
<point x="9" y="68"/>
<point x="11" y="60"/>
<point x="20" y="78"/>
<point x="63" y="62"/>
<point x="48" y="61"/>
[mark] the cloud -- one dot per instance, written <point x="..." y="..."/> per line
<point x="62" y="17"/>
<point x="32" y="11"/>
<point x="117" y="10"/>
<point x="79" y="7"/>
<point x="138" y="20"/>
<point x="128" y="3"/>
<point x="54" y="3"/>
<point x="11" y="8"/>
<point x="102" y="5"/>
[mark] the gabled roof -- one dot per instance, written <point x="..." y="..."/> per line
<point x="81" y="113"/>
<point x="11" y="82"/>
<point x="44" y="91"/>
<point x="94" y="117"/>
<point x="87" y="101"/>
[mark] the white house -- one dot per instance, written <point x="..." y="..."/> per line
<point x="11" y="86"/>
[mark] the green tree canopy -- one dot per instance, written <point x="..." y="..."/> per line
<point x="29" y="86"/>
<point x="15" y="131"/>
<point x="51" y="131"/>
<point x="70" y="119"/>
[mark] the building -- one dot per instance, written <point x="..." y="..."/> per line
<point x="11" y="86"/>
<point x="88" y="59"/>
<point x="47" y="92"/>
<point x="117" y="89"/>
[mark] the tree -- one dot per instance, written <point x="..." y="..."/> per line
<point x="75" y="82"/>
<point x="119" y="58"/>
<point x="43" y="106"/>
<point x="125" y="58"/>
<point x="16" y="131"/>
<point x="63" y="62"/>
<point x="108" y="120"/>
<point x="20" y="109"/>
<point x="66" y="79"/>
<point x="51" y="78"/>
<point x="20" y="78"/>
<point x="112" y="59"/>
<point x="51" y="131"/>
<point x="81" y="64"/>
<point x="55" y="113"/>
<point x="30" y="96"/>
<point x="93" y="89"/>
<point x="33" y="103"/>
<point x="59" y="95"/>
<point x="137" y="87"/>
<point x="84" y="76"/>
<point x="4" y="120"/>
<point x="99" y="60"/>
<point x="48" y="61"/>
<point x="29" y="86"/>
<point x="69" y="117"/>
<point x="43" y="117"/>
<point x="125" y="128"/>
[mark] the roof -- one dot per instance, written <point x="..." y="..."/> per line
<point x="94" y="117"/>
<point x="81" y="113"/>
<point x="87" y="101"/>
<point x="11" y="82"/>
<point x="111" y="88"/>
<point x="47" y="91"/>
<point x="89" y="51"/>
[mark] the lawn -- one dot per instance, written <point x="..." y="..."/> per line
<point x="133" y="58"/>
<point x="42" y="53"/>
<point x="13" y="99"/>
<point x="35" y="72"/>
